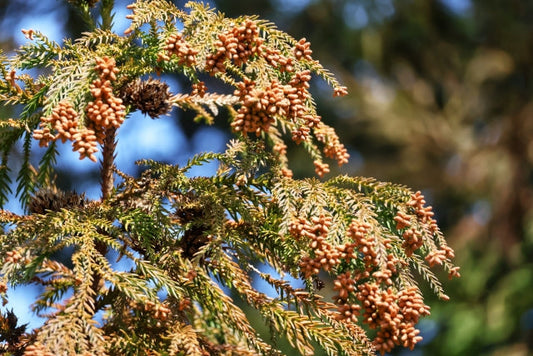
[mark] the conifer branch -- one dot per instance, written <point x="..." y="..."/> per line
<point x="186" y="239"/>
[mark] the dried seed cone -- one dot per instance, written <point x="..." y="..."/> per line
<point x="52" y="199"/>
<point x="151" y="96"/>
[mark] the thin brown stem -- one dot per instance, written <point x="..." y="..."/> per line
<point x="108" y="158"/>
<point x="108" y="153"/>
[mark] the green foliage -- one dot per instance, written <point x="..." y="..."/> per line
<point x="189" y="240"/>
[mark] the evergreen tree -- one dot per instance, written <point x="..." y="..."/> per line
<point x="189" y="237"/>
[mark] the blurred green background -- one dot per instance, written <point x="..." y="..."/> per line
<point x="441" y="100"/>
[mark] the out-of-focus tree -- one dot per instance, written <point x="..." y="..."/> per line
<point x="441" y="98"/>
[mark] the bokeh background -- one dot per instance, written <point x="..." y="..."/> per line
<point x="441" y="100"/>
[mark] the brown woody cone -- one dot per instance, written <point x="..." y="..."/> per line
<point x="151" y="96"/>
<point x="52" y="199"/>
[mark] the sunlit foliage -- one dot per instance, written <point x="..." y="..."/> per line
<point x="190" y="240"/>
